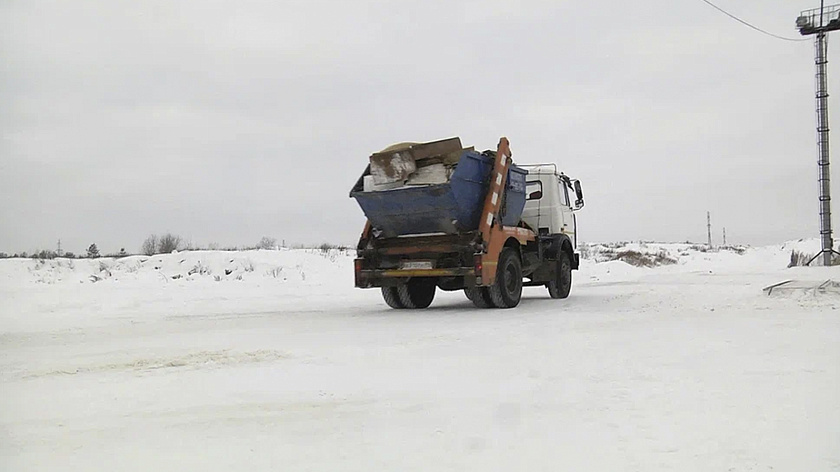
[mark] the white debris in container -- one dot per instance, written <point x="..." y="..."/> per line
<point x="369" y="185"/>
<point x="429" y="175"/>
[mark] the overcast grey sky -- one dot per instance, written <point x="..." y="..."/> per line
<point x="226" y="121"/>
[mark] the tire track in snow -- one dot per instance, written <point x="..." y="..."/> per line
<point x="196" y="360"/>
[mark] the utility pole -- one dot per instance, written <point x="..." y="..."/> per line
<point x="819" y="22"/>
<point x="58" y="251"/>
<point x="709" y="227"/>
<point x="724" y="235"/>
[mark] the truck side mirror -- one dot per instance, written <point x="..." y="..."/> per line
<point x="578" y="195"/>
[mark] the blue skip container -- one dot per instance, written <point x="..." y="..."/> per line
<point x="443" y="208"/>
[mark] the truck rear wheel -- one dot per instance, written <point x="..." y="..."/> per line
<point x="506" y="291"/>
<point x="562" y="283"/>
<point x="392" y="298"/>
<point x="417" y="292"/>
<point x="479" y="297"/>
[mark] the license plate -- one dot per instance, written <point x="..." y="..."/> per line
<point x="412" y="265"/>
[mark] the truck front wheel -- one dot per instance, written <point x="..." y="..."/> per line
<point x="417" y="292"/>
<point x="506" y="291"/>
<point x="562" y="283"/>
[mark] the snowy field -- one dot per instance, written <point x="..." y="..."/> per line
<point x="271" y="360"/>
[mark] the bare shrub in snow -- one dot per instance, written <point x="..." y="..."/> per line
<point x="199" y="269"/>
<point x="640" y="259"/>
<point x="169" y="242"/>
<point x="44" y="254"/>
<point x="150" y="245"/>
<point x="276" y="272"/>
<point x="267" y="243"/>
<point x="799" y="258"/>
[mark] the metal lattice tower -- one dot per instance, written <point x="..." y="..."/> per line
<point x="821" y="59"/>
<point x="819" y="22"/>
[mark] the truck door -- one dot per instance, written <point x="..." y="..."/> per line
<point x="564" y="215"/>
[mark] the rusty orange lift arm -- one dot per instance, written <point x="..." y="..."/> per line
<point x="493" y="233"/>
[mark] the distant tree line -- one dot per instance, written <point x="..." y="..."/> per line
<point x="91" y="253"/>
<point x="165" y="244"/>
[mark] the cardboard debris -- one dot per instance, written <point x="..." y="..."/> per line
<point x="412" y="163"/>
<point x="420" y="151"/>
<point x="391" y="167"/>
<point x="397" y="162"/>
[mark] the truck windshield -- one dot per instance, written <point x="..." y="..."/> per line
<point x="564" y="193"/>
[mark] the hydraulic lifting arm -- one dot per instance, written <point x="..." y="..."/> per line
<point x="498" y="179"/>
<point x="493" y="234"/>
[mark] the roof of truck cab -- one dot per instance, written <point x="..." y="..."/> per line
<point x="550" y="169"/>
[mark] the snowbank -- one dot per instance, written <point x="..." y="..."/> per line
<point x="304" y="266"/>
<point x="699" y="257"/>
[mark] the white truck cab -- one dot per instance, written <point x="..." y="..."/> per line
<point x="551" y="198"/>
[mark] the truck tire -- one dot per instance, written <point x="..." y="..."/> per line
<point x="479" y="297"/>
<point x="562" y="283"/>
<point x="392" y="298"/>
<point x="418" y="292"/>
<point x="506" y="291"/>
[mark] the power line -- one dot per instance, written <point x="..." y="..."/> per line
<point x="730" y="15"/>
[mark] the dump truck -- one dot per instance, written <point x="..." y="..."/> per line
<point x="440" y="216"/>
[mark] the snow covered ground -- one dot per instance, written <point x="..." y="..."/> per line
<point x="271" y="360"/>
